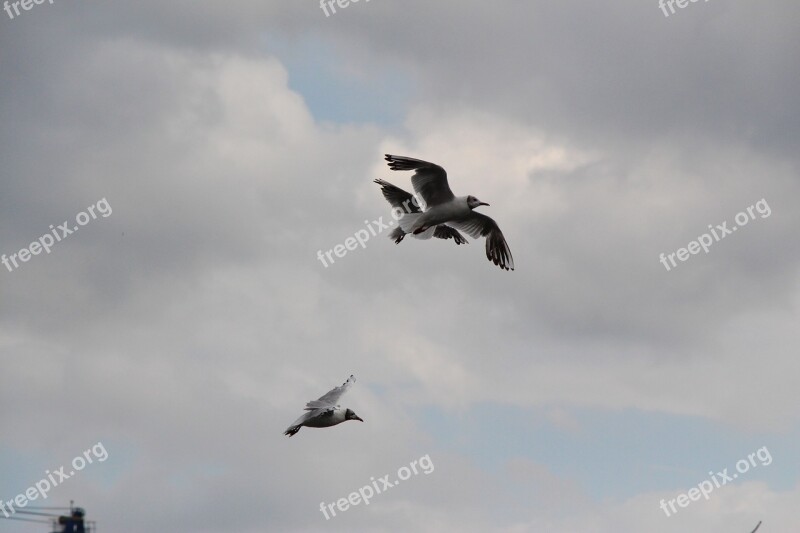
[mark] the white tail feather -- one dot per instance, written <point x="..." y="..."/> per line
<point x="408" y="221"/>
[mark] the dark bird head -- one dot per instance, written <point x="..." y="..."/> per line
<point x="351" y="415"/>
<point x="473" y="202"/>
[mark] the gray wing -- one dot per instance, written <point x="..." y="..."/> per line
<point x="331" y="398"/>
<point x="313" y="413"/>
<point x="430" y="181"/>
<point x="446" y="232"/>
<point x="397" y="197"/>
<point x="479" y="225"/>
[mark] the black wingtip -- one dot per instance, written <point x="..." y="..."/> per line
<point x="500" y="261"/>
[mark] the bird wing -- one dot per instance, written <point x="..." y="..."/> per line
<point x="331" y="398"/>
<point x="446" y="232"/>
<point x="441" y="232"/>
<point x="397" y="197"/>
<point x="313" y="412"/>
<point x="429" y="181"/>
<point x="478" y="225"/>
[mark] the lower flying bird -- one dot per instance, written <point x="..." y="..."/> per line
<point x="442" y="213"/>
<point x="325" y="412"/>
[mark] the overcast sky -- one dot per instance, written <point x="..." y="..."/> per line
<point x="227" y="143"/>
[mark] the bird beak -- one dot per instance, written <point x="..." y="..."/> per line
<point x="358" y="418"/>
<point x="482" y="203"/>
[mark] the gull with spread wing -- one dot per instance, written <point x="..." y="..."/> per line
<point x="325" y="412"/>
<point x="407" y="204"/>
<point x="442" y="213"/>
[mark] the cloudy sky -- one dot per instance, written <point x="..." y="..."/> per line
<point x="221" y="145"/>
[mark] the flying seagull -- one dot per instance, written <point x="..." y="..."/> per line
<point x="405" y="201"/>
<point x="443" y="214"/>
<point x="325" y="412"/>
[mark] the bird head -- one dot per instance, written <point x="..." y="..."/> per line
<point x="473" y="202"/>
<point x="351" y="415"/>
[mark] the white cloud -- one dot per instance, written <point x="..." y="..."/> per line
<point x="191" y="327"/>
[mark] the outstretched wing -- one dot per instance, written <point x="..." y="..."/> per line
<point x="446" y="232"/>
<point x="430" y="180"/>
<point x="397" y="197"/>
<point x="331" y="398"/>
<point x="479" y="225"/>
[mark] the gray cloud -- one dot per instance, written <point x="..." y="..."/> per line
<point x="187" y="329"/>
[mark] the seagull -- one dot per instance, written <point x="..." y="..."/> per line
<point x="325" y="412"/>
<point x="405" y="201"/>
<point x="442" y="213"/>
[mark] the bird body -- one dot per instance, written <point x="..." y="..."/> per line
<point x="453" y="210"/>
<point x="329" y="418"/>
<point x="443" y="214"/>
<point x="325" y="412"/>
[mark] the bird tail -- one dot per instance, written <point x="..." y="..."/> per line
<point x="408" y="222"/>
<point x="291" y="430"/>
<point x="397" y="235"/>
